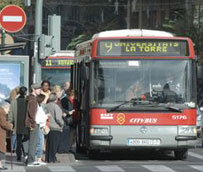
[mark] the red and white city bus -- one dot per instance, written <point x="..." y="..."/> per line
<point x="57" y="68"/>
<point x="136" y="90"/>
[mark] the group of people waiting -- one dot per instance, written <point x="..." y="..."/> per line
<point x="42" y="122"/>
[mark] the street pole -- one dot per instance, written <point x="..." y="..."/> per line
<point x="3" y="39"/>
<point x="128" y="14"/>
<point x="38" y="32"/>
<point x="140" y="15"/>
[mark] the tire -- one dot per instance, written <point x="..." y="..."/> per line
<point x="181" y="154"/>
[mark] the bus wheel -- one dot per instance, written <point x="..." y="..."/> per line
<point x="181" y="154"/>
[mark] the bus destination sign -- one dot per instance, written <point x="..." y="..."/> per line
<point x="57" y="63"/>
<point x="141" y="47"/>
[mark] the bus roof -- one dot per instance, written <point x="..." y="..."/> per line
<point x="67" y="53"/>
<point x="132" y="32"/>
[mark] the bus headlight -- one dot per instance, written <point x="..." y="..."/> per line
<point x="182" y="130"/>
<point x="99" y="131"/>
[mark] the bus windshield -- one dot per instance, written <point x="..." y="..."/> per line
<point x="161" y="81"/>
<point x="56" y="76"/>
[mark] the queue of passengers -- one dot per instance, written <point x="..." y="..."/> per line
<point x="43" y="121"/>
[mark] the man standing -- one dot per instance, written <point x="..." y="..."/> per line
<point x="31" y="124"/>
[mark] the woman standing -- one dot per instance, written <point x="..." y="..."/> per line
<point x="17" y="116"/>
<point x="68" y="107"/>
<point x="45" y="90"/>
<point x="56" y="126"/>
<point x="4" y="126"/>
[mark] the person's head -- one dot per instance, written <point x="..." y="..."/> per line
<point x="36" y="89"/>
<point x="166" y="86"/>
<point x="40" y="98"/>
<point x="52" y="97"/>
<point x="13" y="94"/>
<point x="57" y="90"/>
<point x="5" y="106"/>
<point x="66" y="85"/>
<point x="70" y="93"/>
<point x="45" y="85"/>
<point x="23" y="91"/>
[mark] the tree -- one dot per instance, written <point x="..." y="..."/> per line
<point x="4" y="3"/>
<point x="184" y="25"/>
<point x="99" y="15"/>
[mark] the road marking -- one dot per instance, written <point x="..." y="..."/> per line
<point x="61" y="168"/>
<point x="195" y="155"/>
<point x="12" y="19"/>
<point x="110" y="168"/>
<point x="197" y="167"/>
<point x="158" y="168"/>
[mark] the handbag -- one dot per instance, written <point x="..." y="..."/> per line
<point x="45" y="130"/>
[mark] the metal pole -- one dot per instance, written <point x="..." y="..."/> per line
<point x="38" y="32"/>
<point x="140" y="15"/>
<point x="3" y="36"/>
<point x="128" y="14"/>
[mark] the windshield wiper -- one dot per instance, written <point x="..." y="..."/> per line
<point x="133" y="100"/>
<point x="170" y="107"/>
<point x="116" y="107"/>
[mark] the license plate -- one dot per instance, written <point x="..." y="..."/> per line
<point x="143" y="142"/>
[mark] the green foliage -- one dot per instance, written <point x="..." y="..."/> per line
<point x="4" y="3"/>
<point x="185" y="26"/>
<point x="92" y="28"/>
<point x="91" y="14"/>
<point x="77" y="40"/>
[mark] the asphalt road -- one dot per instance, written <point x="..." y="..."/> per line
<point x="127" y="162"/>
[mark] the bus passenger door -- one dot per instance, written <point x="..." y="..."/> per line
<point x="83" y="97"/>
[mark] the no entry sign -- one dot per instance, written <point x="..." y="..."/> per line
<point x="12" y="18"/>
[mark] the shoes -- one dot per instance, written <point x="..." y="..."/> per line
<point x="33" y="164"/>
<point x="26" y="159"/>
<point x="57" y="161"/>
<point x="42" y="163"/>
<point x="61" y="152"/>
<point x="3" y="168"/>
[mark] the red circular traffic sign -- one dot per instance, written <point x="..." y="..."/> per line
<point x="12" y="18"/>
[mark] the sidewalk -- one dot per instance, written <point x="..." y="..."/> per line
<point x="65" y="160"/>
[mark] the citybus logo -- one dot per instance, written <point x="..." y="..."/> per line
<point x="121" y="118"/>
<point x="143" y="120"/>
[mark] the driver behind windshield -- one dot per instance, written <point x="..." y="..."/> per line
<point x="169" y="95"/>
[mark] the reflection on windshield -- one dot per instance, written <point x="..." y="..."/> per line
<point x="56" y="76"/>
<point x="160" y="81"/>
